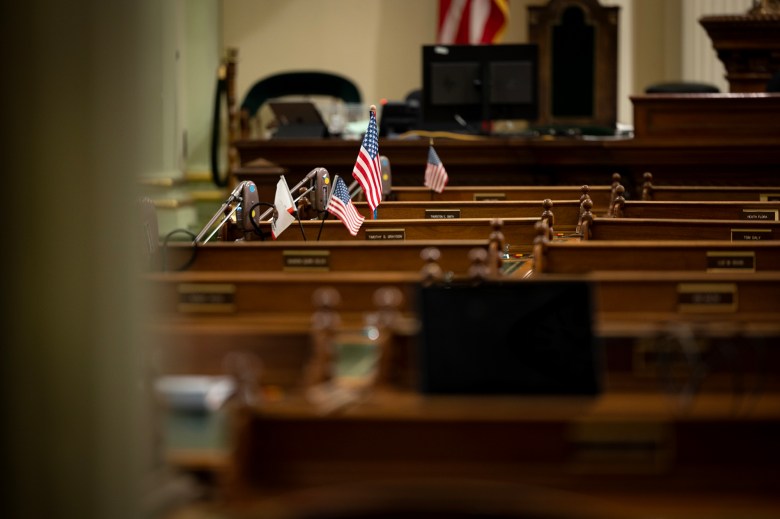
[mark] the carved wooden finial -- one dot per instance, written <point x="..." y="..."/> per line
<point x="584" y="196"/>
<point x="496" y="246"/>
<point x="647" y="186"/>
<point x="617" y="206"/>
<point x="616" y="178"/>
<point x="431" y="271"/>
<point x="586" y="220"/>
<point x="388" y="299"/>
<point x="548" y="216"/>
<point x="245" y="368"/>
<point x="325" y="321"/>
<point x="585" y="209"/>
<point x="479" y="270"/>
<point x="540" y="245"/>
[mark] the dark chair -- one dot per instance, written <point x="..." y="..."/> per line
<point x="297" y="83"/>
<point x="682" y="87"/>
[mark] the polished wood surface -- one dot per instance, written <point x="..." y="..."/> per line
<point x="615" y="447"/>
<point x="346" y="255"/>
<point x="573" y="257"/>
<point x="517" y="231"/>
<point x="517" y="161"/>
<point x="707" y="116"/>
<point x="599" y="194"/>
<point x="627" y="229"/>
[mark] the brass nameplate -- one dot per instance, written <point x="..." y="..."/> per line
<point x="759" y="214"/>
<point x="306" y="259"/>
<point x="729" y="261"/>
<point x="706" y="297"/>
<point x="769" y="197"/>
<point x="620" y="447"/>
<point x="751" y="234"/>
<point x="442" y="214"/>
<point x="489" y="196"/>
<point x="385" y="234"/>
<point x="206" y="297"/>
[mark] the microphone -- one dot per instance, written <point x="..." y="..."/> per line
<point x="247" y="208"/>
<point x="321" y="189"/>
<point x="236" y="194"/>
<point x="320" y="173"/>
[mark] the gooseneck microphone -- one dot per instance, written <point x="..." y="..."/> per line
<point x="235" y="195"/>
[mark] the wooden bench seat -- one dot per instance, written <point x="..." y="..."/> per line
<point x="715" y="210"/>
<point x="600" y="194"/>
<point x="516" y="231"/>
<point x="734" y="192"/>
<point x="577" y="257"/>
<point x="322" y="256"/>
<point x="621" y="229"/>
<point x="566" y="212"/>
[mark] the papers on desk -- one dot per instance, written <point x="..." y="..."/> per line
<point x="195" y="393"/>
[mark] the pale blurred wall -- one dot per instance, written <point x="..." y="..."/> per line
<point x="376" y="43"/>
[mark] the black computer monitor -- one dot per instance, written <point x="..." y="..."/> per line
<point x="465" y="87"/>
<point x="515" y="337"/>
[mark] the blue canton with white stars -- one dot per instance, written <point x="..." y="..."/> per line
<point x="370" y="142"/>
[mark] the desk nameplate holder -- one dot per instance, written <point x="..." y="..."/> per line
<point x="731" y="261"/>
<point x="442" y="214"/>
<point x="385" y="234"/>
<point x="706" y="297"/>
<point x="769" y="197"/>
<point x="479" y="197"/>
<point x="751" y="234"/>
<point x="618" y="447"/>
<point x="314" y="260"/>
<point x="206" y="298"/>
<point x="755" y="215"/>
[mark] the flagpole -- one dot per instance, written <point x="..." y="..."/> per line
<point x="372" y="108"/>
<point x="430" y="144"/>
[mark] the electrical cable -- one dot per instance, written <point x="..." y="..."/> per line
<point x="189" y="263"/>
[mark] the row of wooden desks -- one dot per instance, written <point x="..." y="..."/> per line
<point x="654" y="447"/>
<point x="520" y="161"/>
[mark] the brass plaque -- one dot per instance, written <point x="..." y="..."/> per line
<point x="442" y="214"/>
<point x="306" y="260"/>
<point x="385" y="234"/>
<point x="489" y="196"/>
<point x="620" y="447"/>
<point x="206" y="297"/>
<point x="769" y="197"/>
<point x="751" y="234"/>
<point x="759" y="215"/>
<point x="707" y="297"/>
<point x="730" y="261"/>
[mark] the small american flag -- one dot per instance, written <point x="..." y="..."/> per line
<point x="435" y="175"/>
<point x="340" y="206"/>
<point x="367" y="170"/>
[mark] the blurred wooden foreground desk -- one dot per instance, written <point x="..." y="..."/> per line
<point x="645" y="451"/>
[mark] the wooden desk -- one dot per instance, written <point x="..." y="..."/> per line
<point x="683" y="138"/>
<point x="519" y="161"/>
<point x="642" y="451"/>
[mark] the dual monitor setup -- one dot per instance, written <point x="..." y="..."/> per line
<point x="464" y="89"/>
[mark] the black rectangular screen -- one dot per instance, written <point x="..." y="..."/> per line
<point x="478" y="84"/>
<point x="521" y="337"/>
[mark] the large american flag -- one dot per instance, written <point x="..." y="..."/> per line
<point x="340" y="206"/>
<point x="367" y="170"/>
<point x="472" y="21"/>
<point x="435" y="175"/>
